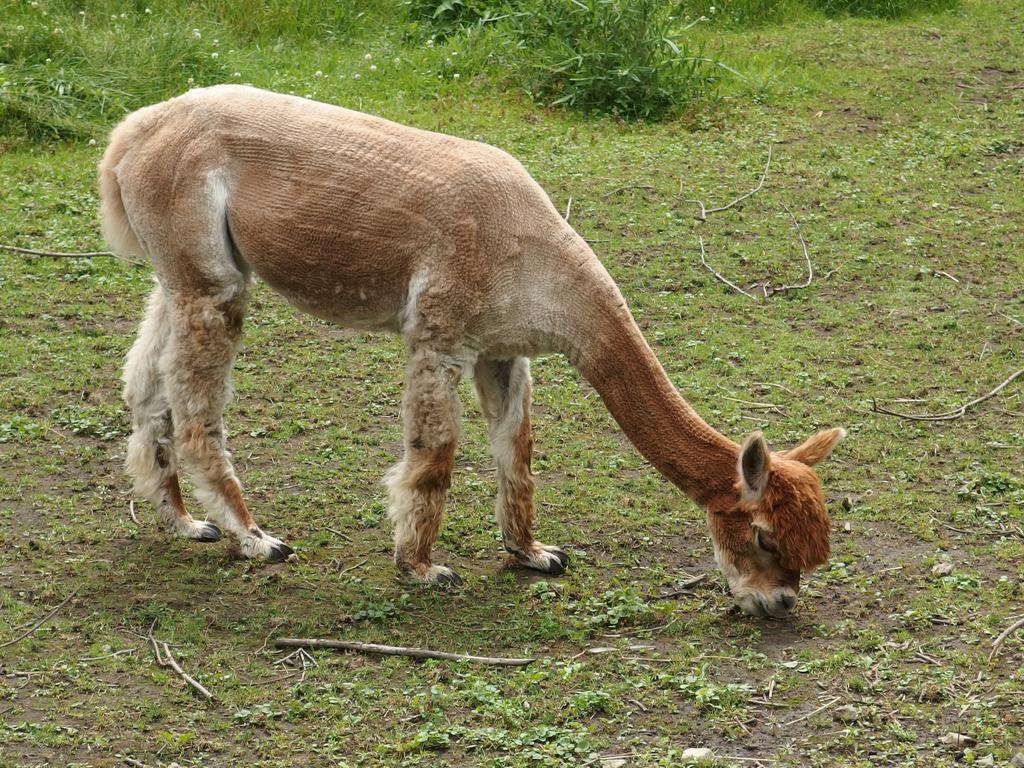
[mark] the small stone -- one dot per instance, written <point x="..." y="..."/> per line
<point x="987" y="760"/>
<point x="942" y="569"/>
<point x="847" y="714"/>
<point x="958" y="741"/>
<point x="697" y="755"/>
<point x="847" y="527"/>
<point x="613" y="762"/>
<point x="1017" y="761"/>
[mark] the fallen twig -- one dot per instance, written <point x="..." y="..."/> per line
<point x="568" y="208"/>
<point x="70" y="254"/>
<point x="394" y="650"/>
<point x="813" y="712"/>
<point x="956" y="413"/>
<point x="705" y="211"/>
<point x="131" y="511"/>
<point x="1003" y="635"/>
<point x="107" y="655"/>
<point x="168" y="660"/>
<point x="685" y="588"/>
<point x="807" y="259"/>
<point x="719" y="276"/>
<point x="49" y="615"/>
<point x="623" y="188"/>
<point x="766" y="289"/>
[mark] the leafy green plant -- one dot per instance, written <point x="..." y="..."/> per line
<point x="613" y="607"/>
<point x="628" y="59"/>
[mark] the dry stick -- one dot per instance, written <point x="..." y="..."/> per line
<point x="812" y="713"/>
<point x="131" y="511"/>
<point x="42" y="621"/>
<point x="807" y="258"/>
<point x="169" y="661"/>
<point x="70" y="254"/>
<point x="394" y="650"/>
<point x="1003" y="635"/>
<point x="956" y="413"/>
<point x="705" y="211"/>
<point x="615" y="191"/>
<point x="704" y="261"/>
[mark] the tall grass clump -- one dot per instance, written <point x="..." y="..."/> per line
<point x="742" y="14"/>
<point x="62" y="76"/>
<point x="883" y="9"/>
<point x="298" y="20"/>
<point x="627" y="58"/>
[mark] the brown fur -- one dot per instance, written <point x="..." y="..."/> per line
<point x="450" y="243"/>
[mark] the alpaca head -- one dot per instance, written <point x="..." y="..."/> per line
<point x="774" y="526"/>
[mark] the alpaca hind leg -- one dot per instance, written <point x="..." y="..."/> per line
<point x="418" y="485"/>
<point x="151" y="459"/>
<point x="207" y="333"/>
<point x="504" y="389"/>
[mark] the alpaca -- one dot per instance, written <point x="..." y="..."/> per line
<point x="453" y="245"/>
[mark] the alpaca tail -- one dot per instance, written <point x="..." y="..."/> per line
<point x="114" y="220"/>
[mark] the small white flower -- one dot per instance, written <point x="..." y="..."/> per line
<point x="368" y="56"/>
<point x="216" y="41"/>
<point x="711" y="9"/>
<point x="190" y="81"/>
<point x="430" y="43"/>
<point x="373" y="67"/>
<point x="48" y="60"/>
<point x="397" y="60"/>
<point x="455" y="76"/>
<point x="149" y="10"/>
<point x="356" y="76"/>
<point x="214" y="55"/>
<point x="455" y="53"/>
<point x="236" y="74"/>
<point x="318" y="73"/>
<point x="81" y="13"/>
<point x="92" y="142"/>
<point x="113" y="17"/>
<point x="196" y="34"/>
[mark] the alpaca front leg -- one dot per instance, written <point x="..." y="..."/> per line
<point x="504" y="390"/>
<point x="418" y="485"/>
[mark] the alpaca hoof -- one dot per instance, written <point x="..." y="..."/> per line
<point x="280" y="552"/>
<point x="544" y="558"/>
<point x="197" y="530"/>
<point x="206" y="531"/>
<point x="261" y="546"/>
<point x="438" y="575"/>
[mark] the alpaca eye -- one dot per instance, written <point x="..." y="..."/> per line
<point x="764" y="540"/>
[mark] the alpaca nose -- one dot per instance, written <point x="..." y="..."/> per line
<point x="785" y="599"/>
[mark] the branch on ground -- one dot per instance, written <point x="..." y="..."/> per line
<point x="956" y="413"/>
<point x="394" y="650"/>
<point x="766" y="288"/>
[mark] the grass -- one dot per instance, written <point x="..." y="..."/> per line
<point x="896" y="148"/>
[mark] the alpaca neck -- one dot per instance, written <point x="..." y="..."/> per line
<point x="610" y="351"/>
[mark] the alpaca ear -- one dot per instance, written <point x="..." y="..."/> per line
<point x="815" y="448"/>
<point x="754" y="467"/>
